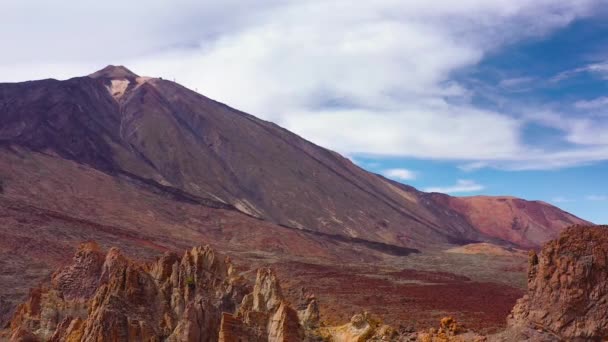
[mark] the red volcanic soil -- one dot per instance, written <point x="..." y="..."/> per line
<point x="48" y="206"/>
<point x="408" y="298"/>
<point x="527" y="224"/>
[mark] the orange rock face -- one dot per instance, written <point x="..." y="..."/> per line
<point x="568" y="287"/>
<point x="197" y="297"/>
<point x="111" y="298"/>
<point x="264" y="315"/>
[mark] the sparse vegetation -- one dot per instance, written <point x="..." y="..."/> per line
<point x="190" y="282"/>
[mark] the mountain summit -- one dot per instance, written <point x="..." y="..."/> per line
<point x="115" y="72"/>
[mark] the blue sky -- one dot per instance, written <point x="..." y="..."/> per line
<point x="579" y="190"/>
<point x="532" y="65"/>
<point x="502" y="97"/>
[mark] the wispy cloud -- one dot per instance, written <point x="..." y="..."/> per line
<point x="600" y="102"/>
<point x="461" y="186"/>
<point x="517" y="81"/>
<point x="561" y="199"/>
<point x="599" y="69"/>
<point x="517" y="84"/>
<point x="473" y="166"/>
<point x="597" y="198"/>
<point x="400" y="174"/>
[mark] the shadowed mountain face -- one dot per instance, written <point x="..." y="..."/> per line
<point x="158" y="132"/>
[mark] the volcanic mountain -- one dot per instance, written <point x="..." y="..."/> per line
<point x="158" y="132"/>
<point x="148" y="165"/>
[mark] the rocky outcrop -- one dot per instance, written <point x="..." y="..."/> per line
<point x="65" y="300"/>
<point x="111" y="298"/>
<point x="362" y="327"/>
<point x="198" y="297"/>
<point x="449" y="331"/>
<point x="567" y="288"/>
<point x="265" y="315"/>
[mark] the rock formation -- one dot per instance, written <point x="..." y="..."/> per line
<point x="111" y="298"/>
<point x="567" y="288"/>
<point x="449" y="331"/>
<point x="264" y="315"/>
<point x="202" y="297"/>
<point x="362" y="327"/>
<point x="198" y="297"/>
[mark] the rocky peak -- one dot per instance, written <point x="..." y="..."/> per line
<point x="267" y="294"/>
<point x="264" y="315"/>
<point x="114" y="72"/>
<point x="568" y="287"/>
<point x="118" y="80"/>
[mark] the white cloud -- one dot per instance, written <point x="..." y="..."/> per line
<point x="597" y="198"/>
<point x="578" y="129"/>
<point x="440" y="131"/>
<point x="93" y="32"/>
<point x="583" y="140"/>
<point x="461" y="186"/>
<point x="546" y="160"/>
<point x="598" y="68"/>
<point x="370" y="78"/>
<point x="401" y="174"/>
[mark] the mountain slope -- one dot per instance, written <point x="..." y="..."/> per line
<point x="156" y="131"/>
<point x="49" y="205"/>
<point x="159" y="130"/>
<point x="526" y="224"/>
